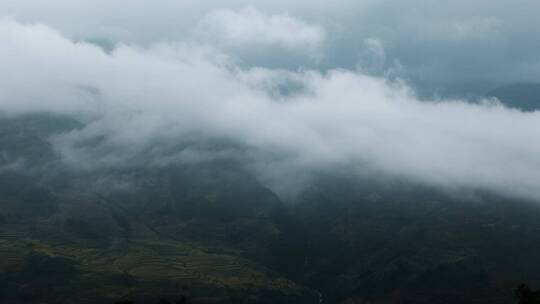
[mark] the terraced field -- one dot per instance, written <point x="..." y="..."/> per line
<point x="147" y="265"/>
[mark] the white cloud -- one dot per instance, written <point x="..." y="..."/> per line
<point x="249" y="26"/>
<point x="494" y="41"/>
<point x="142" y="103"/>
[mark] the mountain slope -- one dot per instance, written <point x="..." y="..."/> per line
<point x="210" y="232"/>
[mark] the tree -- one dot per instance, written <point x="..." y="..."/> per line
<point x="525" y="295"/>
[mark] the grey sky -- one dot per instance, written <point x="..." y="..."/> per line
<point x="437" y="44"/>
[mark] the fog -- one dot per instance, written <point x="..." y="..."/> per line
<point x="155" y="104"/>
<point x="290" y="88"/>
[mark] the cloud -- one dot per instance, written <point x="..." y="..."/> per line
<point x="165" y="103"/>
<point x="480" y="43"/>
<point x="249" y="27"/>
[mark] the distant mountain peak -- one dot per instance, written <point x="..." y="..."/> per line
<point x="523" y="96"/>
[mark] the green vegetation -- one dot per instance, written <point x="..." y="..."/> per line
<point x="211" y="233"/>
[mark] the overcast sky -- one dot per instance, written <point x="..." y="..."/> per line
<point x="305" y="85"/>
<point x="440" y="44"/>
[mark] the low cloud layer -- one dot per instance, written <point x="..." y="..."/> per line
<point x="160" y="104"/>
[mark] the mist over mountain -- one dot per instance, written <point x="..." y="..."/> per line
<point x="209" y="231"/>
<point x="257" y="152"/>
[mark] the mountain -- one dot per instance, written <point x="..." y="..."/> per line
<point x="523" y="96"/>
<point x="211" y="232"/>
